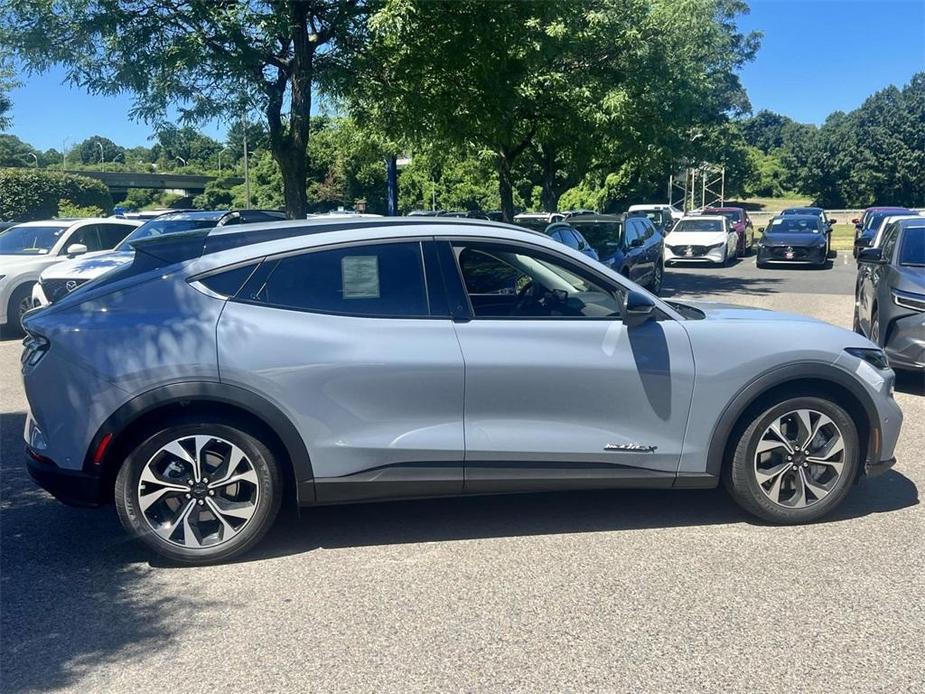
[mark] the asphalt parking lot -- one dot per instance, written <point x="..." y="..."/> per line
<point x="605" y="591"/>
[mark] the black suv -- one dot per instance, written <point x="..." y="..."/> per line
<point x="631" y="245"/>
<point x="889" y="297"/>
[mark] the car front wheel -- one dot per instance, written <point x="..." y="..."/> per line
<point x="657" y="277"/>
<point x="795" y="461"/>
<point x="199" y="493"/>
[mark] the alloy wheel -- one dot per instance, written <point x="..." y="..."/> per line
<point x="25" y="304"/>
<point x="198" y="491"/>
<point x="799" y="458"/>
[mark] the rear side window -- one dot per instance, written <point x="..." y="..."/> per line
<point x="383" y="280"/>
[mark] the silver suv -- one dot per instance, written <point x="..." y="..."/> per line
<point x="215" y="377"/>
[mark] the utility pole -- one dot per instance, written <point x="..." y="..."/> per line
<point x="247" y="180"/>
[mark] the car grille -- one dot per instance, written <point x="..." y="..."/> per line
<point x="58" y="289"/>
<point x="790" y="252"/>
<point x="694" y="250"/>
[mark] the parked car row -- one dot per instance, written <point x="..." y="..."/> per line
<point x="42" y="261"/>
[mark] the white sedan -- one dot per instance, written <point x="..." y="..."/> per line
<point x="27" y="249"/>
<point x="701" y="238"/>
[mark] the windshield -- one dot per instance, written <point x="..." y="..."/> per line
<point x="913" y="250"/>
<point x="874" y="219"/>
<point x="29" y="240"/>
<point x="698" y="225"/>
<point x="802" y="210"/>
<point x="160" y="227"/>
<point x="794" y="225"/>
<point x="603" y="237"/>
<point x="657" y="217"/>
<point x="732" y="215"/>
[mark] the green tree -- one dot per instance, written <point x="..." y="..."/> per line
<point x="184" y="146"/>
<point x="15" y="152"/>
<point x="88" y="152"/>
<point x="197" y="55"/>
<point x="567" y="83"/>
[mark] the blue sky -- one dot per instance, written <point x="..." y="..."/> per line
<point x="817" y="56"/>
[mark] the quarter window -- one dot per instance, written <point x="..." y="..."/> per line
<point x="367" y="280"/>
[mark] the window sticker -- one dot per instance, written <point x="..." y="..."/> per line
<point x="360" y="276"/>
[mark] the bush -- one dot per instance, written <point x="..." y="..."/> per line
<point x="66" y="208"/>
<point x="27" y="194"/>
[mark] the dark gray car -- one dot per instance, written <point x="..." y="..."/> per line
<point x="889" y="305"/>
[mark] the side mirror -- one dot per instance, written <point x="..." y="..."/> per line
<point x="76" y="249"/>
<point x="636" y="243"/>
<point x="760" y="230"/>
<point x="855" y="221"/>
<point x="871" y="255"/>
<point x="833" y="222"/>
<point x="863" y="241"/>
<point x="637" y="308"/>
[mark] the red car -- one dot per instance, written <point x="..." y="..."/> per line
<point x="740" y="221"/>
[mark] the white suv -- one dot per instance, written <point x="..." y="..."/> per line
<point x="27" y="249"/>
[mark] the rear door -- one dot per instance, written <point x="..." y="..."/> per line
<point x="559" y="392"/>
<point x="352" y="345"/>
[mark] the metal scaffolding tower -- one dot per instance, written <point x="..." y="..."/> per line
<point x="697" y="187"/>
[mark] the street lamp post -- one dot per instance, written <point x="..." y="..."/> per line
<point x="35" y="159"/>
<point x="64" y="153"/>
<point x="220" y="161"/>
<point x="102" y="156"/>
<point x="181" y="159"/>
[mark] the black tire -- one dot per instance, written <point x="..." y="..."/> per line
<point x="875" y="335"/>
<point x="739" y="474"/>
<point x="658" y="277"/>
<point x="269" y="491"/>
<point x="760" y="265"/>
<point x="856" y="322"/>
<point x="14" y="310"/>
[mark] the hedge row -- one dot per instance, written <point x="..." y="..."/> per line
<point x="28" y="194"/>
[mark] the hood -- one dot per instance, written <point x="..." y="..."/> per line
<point x="720" y="311"/>
<point x="695" y="238"/>
<point x="11" y="262"/>
<point x="793" y="239"/>
<point x="89" y="266"/>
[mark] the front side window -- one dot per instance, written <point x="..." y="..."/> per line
<point x="86" y="235"/>
<point x="379" y="280"/>
<point x="514" y="282"/>
<point x="112" y="234"/>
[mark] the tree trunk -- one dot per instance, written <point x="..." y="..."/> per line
<point x="505" y="186"/>
<point x="289" y="144"/>
<point x="549" y="194"/>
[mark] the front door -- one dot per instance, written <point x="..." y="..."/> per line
<point x="559" y="392"/>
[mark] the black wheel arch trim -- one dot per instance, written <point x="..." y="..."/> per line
<point x="779" y="376"/>
<point x="213" y="392"/>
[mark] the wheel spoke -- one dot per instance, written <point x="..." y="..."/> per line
<point x="832" y="447"/>
<point x="189" y="535"/>
<point x="201" y="441"/>
<point x="817" y="489"/>
<point x="821" y="422"/>
<point x="227" y="528"/>
<point x="806" y="426"/>
<point x="232" y="462"/>
<point x="146" y="500"/>
<point x="149" y="477"/>
<point x="774" y="492"/>
<point x="775" y="429"/>
<point x="798" y="499"/>
<point x="769" y="474"/>
<point x="165" y="530"/>
<point x="241" y="510"/>
<point x="248" y="476"/>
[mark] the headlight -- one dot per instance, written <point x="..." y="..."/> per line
<point x="905" y="299"/>
<point x="874" y="357"/>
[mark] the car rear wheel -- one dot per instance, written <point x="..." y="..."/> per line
<point x="199" y="493"/>
<point x="795" y="461"/>
<point x="20" y="302"/>
<point x="875" y="327"/>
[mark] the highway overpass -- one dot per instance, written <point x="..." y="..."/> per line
<point x="119" y="182"/>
